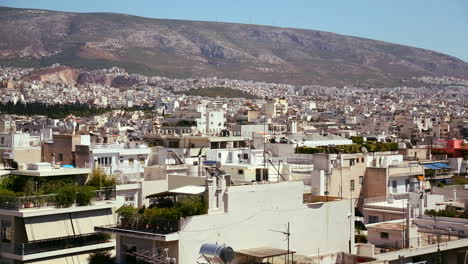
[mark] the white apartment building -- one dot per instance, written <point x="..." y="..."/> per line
<point x="22" y="147"/>
<point x="244" y="228"/>
<point x="126" y="160"/>
<point x="36" y="229"/>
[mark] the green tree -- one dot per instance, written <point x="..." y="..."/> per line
<point x="98" y="178"/>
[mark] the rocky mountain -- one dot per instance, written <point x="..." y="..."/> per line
<point x="61" y="74"/>
<point x="176" y="48"/>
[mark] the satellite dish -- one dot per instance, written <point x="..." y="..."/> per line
<point x="364" y="150"/>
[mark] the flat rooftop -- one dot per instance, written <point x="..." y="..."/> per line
<point x="397" y="204"/>
<point x="52" y="172"/>
<point x="389" y="225"/>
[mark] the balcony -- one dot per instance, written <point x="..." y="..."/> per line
<point x="159" y="229"/>
<point x="50" y="200"/>
<point x="47" y="245"/>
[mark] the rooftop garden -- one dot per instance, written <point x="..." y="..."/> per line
<point x="356" y="147"/>
<point x="17" y="192"/>
<point x="448" y="212"/>
<point x="440" y="151"/>
<point x="162" y="216"/>
<point x="182" y="123"/>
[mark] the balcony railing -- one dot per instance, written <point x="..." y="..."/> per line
<point x="158" y="226"/>
<point x="39" y="201"/>
<point x="47" y="245"/>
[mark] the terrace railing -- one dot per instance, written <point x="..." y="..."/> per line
<point x="157" y="226"/>
<point x="38" y="201"/>
<point x="46" y="245"/>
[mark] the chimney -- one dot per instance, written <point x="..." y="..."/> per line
<point x="421" y="205"/>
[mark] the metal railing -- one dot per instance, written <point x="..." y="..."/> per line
<point x="47" y="245"/>
<point x="157" y="226"/>
<point x="39" y="201"/>
<point x="422" y="240"/>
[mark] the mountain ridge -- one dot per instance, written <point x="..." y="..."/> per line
<point x="189" y="48"/>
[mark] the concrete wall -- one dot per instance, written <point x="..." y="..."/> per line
<point x="448" y="192"/>
<point x="27" y="155"/>
<point x="62" y="144"/>
<point x="375" y="183"/>
<point x="175" y="181"/>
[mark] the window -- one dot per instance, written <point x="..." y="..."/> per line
<point x="131" y="161"/>
<point x="394" y="186"/>
<point x="60" y="157"/>
<point x="261" y="175"/>
<point x="241" y="172"/>
<point x="384" y="235"/>
<point x="142" y="160"/>
<point x="246" y="156"/>
<point x="362" y="159"/>
<point x="220" y="155"/>
<point x="6" y="231"/>
<point x="361" y="179"/>
<point x="129" y="198"/>
<point x="373" y="219"/>
<point x="2" y="140"/>
<point x="351" y="185"/>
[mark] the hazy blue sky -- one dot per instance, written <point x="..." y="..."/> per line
<point x="440" y="25"/>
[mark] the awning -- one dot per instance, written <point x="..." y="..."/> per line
<point x="431" y="167"/>
<point x="189" y="189"/>
<point x="75" y="259"/>
<point x="48" y="226"/>
<point x="84" y="222"/>
<point x="441" y="165"/>
<point x="185" y="190"/>
<point x="264" y="252"/>
<point x="420" y="178"/>
<point x="436" y="166"/>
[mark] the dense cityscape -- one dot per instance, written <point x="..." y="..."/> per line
<point x="110" y="165"/>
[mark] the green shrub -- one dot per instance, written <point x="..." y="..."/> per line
<point x="66" y="196"/>
<point x="357" y="140"/>
<point x="457" y="180"/>
<point x="5" y="192"/>
<point x="307" y="150"/>
<point x="443" y="213"/>
<point x="193" y="205"/>
<point x="126" y="212"/>
<point x="84" y="195"/>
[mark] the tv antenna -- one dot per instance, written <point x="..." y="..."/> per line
<point x="287" y="233"/>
